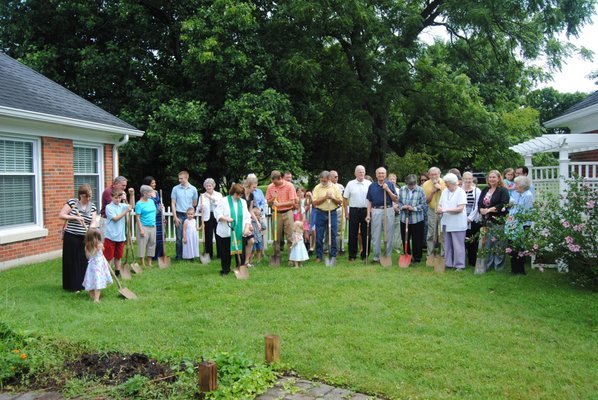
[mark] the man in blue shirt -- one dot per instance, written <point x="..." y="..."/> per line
<point x="183" y="196"/>
<point x="377" y="192"/>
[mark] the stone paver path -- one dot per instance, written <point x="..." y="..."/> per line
<point x="299" y="389"/>
<point x="286" y="388"/>
<point x="32" y="396"/>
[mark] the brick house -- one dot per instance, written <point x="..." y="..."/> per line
<point x="51" y="141"/>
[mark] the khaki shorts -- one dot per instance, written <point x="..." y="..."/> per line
<point x="146" y="245"/>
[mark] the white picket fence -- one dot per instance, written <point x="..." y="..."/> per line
<point x="546" y="179"/>
<point x="170" y="234"/>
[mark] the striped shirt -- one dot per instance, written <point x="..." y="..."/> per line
<point x="74" y="227"/>
<point x="415" y="198"/>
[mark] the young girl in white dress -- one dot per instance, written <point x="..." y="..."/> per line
<point x="97" y="275"/>
<point x="298" y="252"/>
<point x="190" y="236"/>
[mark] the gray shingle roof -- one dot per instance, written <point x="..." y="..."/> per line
<point x="25" y="89"/>
<point x="585" y="103"/>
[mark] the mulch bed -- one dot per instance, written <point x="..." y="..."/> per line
<point x="116" y="368"/>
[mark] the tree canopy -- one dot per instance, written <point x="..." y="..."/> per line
<point x="227" y="87"/>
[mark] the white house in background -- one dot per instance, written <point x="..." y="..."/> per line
<point x="51" y="141"/>
<point x="578" y="151"/>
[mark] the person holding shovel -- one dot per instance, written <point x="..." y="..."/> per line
<point x="234" y="223"/>
<point x="433" y="189"/>
<point x="412" y="203"/>
<point x="381" y="192"/>
<point x="183" y="196"/>
<point x="114" y="233"/>
<point x="326" y="198"/>
<point x="145" y="215"/>
<point x="356" y="210"/>
<point x="282" y="195"/>
<point x="79" y="214"/>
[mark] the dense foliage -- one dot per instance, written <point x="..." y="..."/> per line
<point x="226" y="87"/>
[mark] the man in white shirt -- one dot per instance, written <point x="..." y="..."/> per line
<point x="356" y="210"/>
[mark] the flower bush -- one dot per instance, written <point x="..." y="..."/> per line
<point x="564" y="229"/>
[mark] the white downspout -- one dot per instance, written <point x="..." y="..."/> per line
<point x="122" y="142"/>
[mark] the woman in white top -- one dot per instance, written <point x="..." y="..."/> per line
<point x="234" y="222"/>
<point x="454" y="222"/>
<point x="206" y="206"/>
<point x="473" y="218"/>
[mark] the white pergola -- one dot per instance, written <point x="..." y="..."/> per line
<point x="582" y="123"/>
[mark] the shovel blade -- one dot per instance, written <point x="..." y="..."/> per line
<point x="127" y="293"/>
<point x="431" y="260"/>
<point x="439" y="264"/>
<point x="330" y="261"/>
<point x="242" y="272"/>
<point x="163" y="262"/>
<point x="204" y="258"/>
<point x="386" y="261"/>
<point x="136" y="268"/>
<point x="274" y="261"/>
<point x="480" y="266"/>
<point x="404" y="260"/>
<point x="125" y="272"/>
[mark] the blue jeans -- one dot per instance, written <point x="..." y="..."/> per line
<point x="321" y="228"/>
<point x="179" y="235"/>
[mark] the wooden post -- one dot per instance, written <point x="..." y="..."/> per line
<point x="208" y="376"/>
<point x="272" y="349"/>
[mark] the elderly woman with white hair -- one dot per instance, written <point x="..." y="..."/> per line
<point x="145" y="215"/>
<point x="517" y="212"/>
<point x="207" y="204"/>
<point x="454" y="222"/>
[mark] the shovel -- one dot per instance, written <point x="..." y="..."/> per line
<point x="439" y="265"/>
<point x="164" y="260"/>
<point x="134" y="265"/>
<point x="330" y="261"/>
<point x="480" y="264"/>
<point x="367" y="242"/>
<point x="125" y="270"/>
<point x="274" y="260"/>
<point x="405" y="258"/>
<point x="431" y="259"/>
<point x="205" y="257"/>
<point x="385" y="261"/>
<point x="241" y="272"/>
<point x="124" y="292"/>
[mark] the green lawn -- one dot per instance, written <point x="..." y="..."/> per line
<point x="401" y="333"/>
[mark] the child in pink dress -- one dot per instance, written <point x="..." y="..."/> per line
<point x="97" y="275"/>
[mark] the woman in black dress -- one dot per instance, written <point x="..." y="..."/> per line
<point x="79" y="214"/>
<point x="492" y="204"/>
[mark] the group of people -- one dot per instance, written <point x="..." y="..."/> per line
<point x="429" y="211"/>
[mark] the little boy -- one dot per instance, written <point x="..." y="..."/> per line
<point x="114" y="241"/>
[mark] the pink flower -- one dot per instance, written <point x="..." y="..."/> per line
<point x="590" y="204"/>
<point x="541" y="267"/>
<point x="569" y="240"/>
<point x="565" y="223"/>
<point x="579" y="227"/>
<point x="493" y="239"/>
<point x="574" y="247"/>
<point x="508" y="250"/>
<point x="536" y="247"/>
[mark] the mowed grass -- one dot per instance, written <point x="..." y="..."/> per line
<point x="399" y="333"/>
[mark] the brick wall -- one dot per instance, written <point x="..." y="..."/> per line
<point x="57" y="187"/>
<point x="585" y="156"/>
<point x="108" y="166"/>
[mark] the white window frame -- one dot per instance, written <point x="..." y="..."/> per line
<point x="16" y="233"/>
<point x="97" y="191"/>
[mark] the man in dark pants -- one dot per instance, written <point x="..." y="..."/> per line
<point x="355" y="204"/>
<point x="183" y="196"/>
